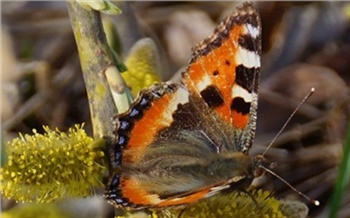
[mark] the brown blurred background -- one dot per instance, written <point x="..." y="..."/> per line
<point x="305" y="44"/>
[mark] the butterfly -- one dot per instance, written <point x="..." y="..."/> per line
<point x="182" y="142"/>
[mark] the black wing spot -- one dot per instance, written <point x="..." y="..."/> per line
<point x="245" y="77"/>
<point x="215" y="73"/>
<point x="247" y="42"/>
<point x="212" y="96"/>
<point x="238" y="104"/>
<point x="227" y="63"/>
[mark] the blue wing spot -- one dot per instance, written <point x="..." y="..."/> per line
<point x="115" y="181"/>
<point x="135" y="113"/>
<point x="124" y="125"/>
<point x="121" y="140"/>
<point x="118" y="158"/>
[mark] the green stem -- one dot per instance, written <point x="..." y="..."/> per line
<point x="343" y="178"/>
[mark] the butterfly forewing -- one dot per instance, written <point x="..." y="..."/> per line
<point x="224" y="72"/>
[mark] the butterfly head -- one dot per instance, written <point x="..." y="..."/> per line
<point x="260" y="163"/>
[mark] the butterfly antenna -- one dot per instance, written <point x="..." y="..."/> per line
<point x="312" y="90"/>
<point x="315" y="202"/>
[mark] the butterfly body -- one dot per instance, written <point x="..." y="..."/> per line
<point x="181" y="142"/>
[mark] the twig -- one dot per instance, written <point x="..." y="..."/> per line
<point x="95" y="58"/>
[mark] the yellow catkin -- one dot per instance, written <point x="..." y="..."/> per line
<point x="236" y="204"/>
<point x="36" y="210"/>
<point x="142" y="64"/>
<point x="49" y="166"/>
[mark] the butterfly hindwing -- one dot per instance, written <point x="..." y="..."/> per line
<point x="161" y="142"/>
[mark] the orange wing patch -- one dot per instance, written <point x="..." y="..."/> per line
<point x="187" y="199"/>
<point x="217" y="67"/>
<point x="157" y="117"/>
<point x="135" y="192"/>
<point x="240" y="120"/>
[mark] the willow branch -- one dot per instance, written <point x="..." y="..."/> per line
<point x="95" y="58"/>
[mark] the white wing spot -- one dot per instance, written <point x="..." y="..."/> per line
<point x="247" y="58"/>
<point x="252" y="30"/>
<point x="181" y="96"/>
<point x="238" y="90"/>
<point x="204" y="83"/>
